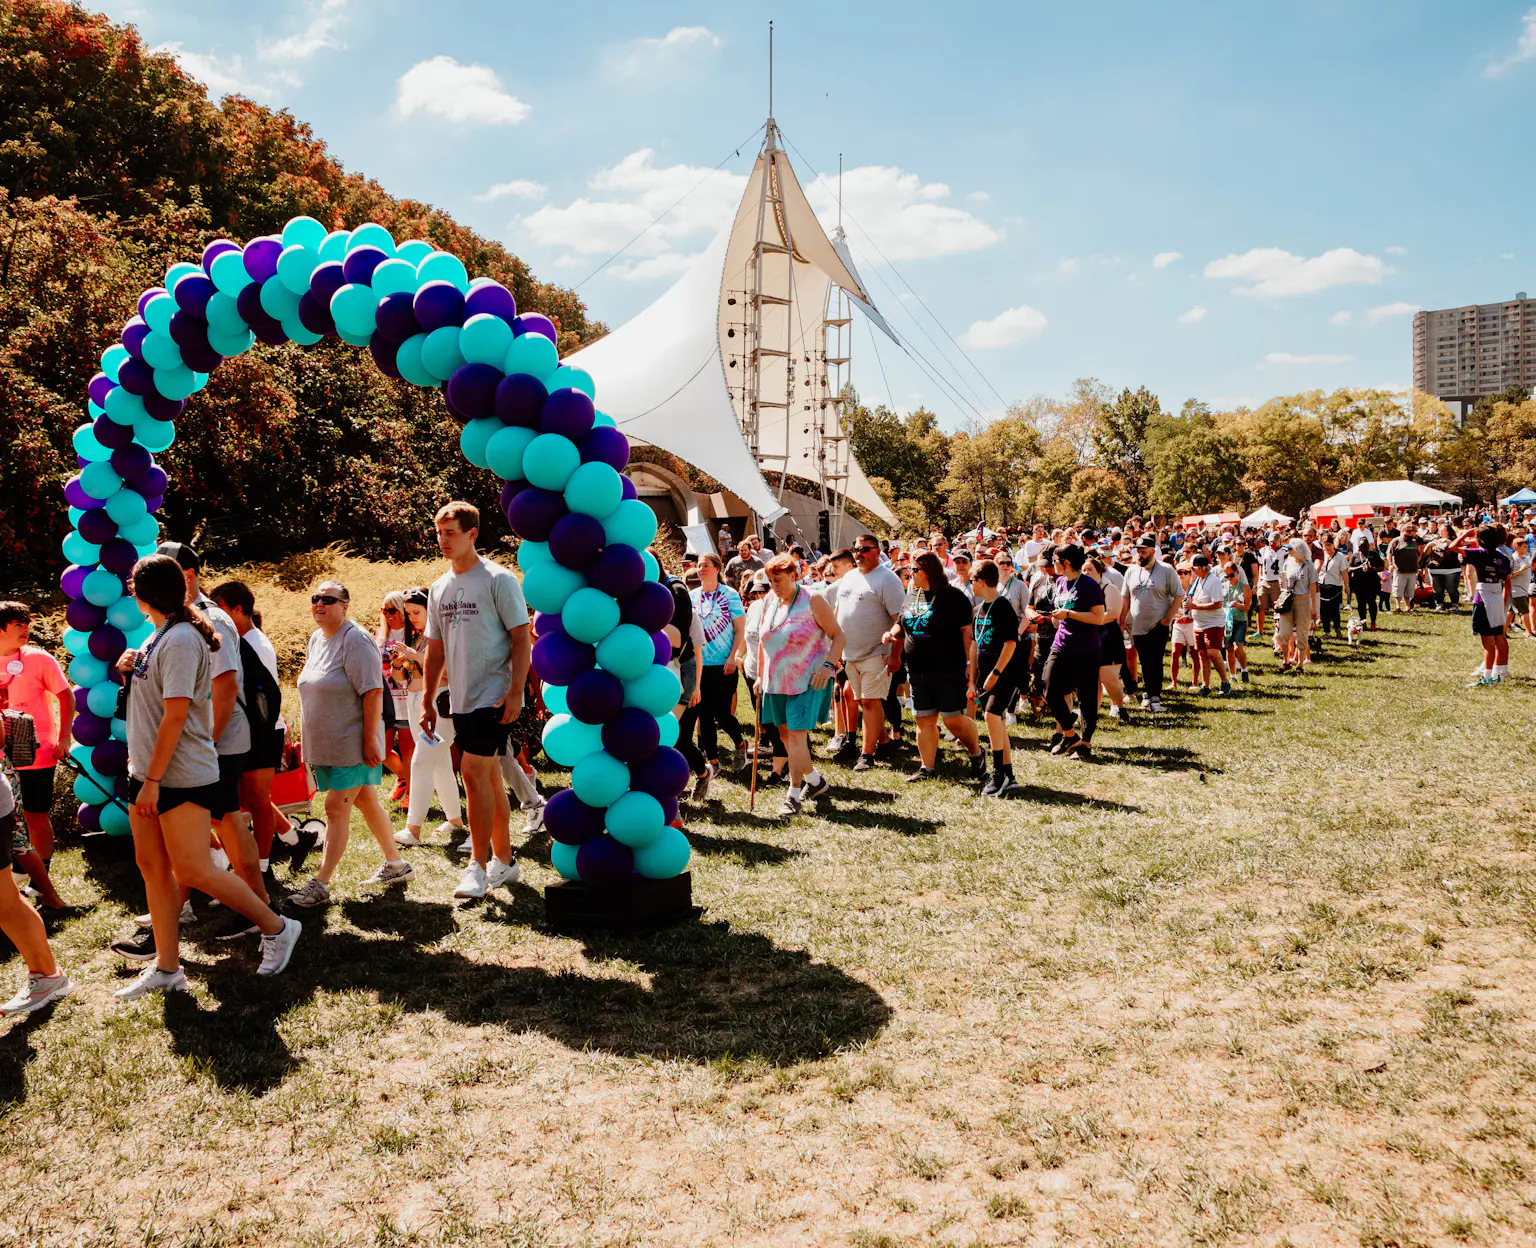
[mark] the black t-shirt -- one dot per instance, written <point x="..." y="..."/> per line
<point x="996" y="624"/>
<point x="1492" y="565"/>
<point x="931" y="623"/>
<point x="682" y="615"/>
<point x="1404" y="553"/>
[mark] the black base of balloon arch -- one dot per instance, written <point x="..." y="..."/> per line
<point x="103" y="848"/>
<point x="640" y="906"/>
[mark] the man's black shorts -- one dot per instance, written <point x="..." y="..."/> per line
<point x="231" y="768"/>
<point x="481" y="732"/>
<point x="998" y="699"/>
<point x="36" y="796"/>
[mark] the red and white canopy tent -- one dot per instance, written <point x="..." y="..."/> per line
<point x="1350" y="513"/>
<point x="1213" y="518"/>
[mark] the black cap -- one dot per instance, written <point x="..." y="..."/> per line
<point x="188" y="558"/>
<point x="1200" y="561"/>
<point x="1147" y="541"/>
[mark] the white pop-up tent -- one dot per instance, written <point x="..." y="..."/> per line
<point x="1265" y="515"/>
<point x="1390" y="494"/>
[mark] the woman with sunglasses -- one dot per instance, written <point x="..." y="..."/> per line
<point x="341" y="697"/>
<point x="391" y="639"/>
<point x="431" y="762"/>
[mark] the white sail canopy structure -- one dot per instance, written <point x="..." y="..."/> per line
<point x="729" y="368"/>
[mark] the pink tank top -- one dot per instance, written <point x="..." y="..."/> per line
<point x="793" y="644"/>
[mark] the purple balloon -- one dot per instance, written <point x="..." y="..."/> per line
<point x="326" y="280"/>
<point x="118" y="557"/>
<point x="248" y="303"/>
<point x="148" y="295"/>
<point x="547" y="622"/>
<point x="509" y="491"/>
<point x="81" y="461"/>
<point x="84" y="616"/>
<point x="663" y="775"/>
<point x="111" y="434"/>
<point x="520" y="399"/>
<point x="154" y="484"/>
<point x="100" y="386"/>
<point x="619" y="571"/>
<point x="188" y="330"/>
<point x="576" y="539"/>
<point x="269" y="332"/>
<point x="193" y="292"/>
<point x="110" y="757"/>
<point x="605" y="445"/>
<point x="396" y="319"/>
<point x="492" y="298"/>
<point x="472" y="389"/>
<point x="72" y="582"/>
<point x="533" y="323"/>
<point x="595" y="696"/>
<point x="631" y="735"/>
<point x="88" y="817"/>
<point x="360" y="263"/>
<point x="570" y="820"/>
<point x="134" y="334"/>
<point x="315" y="316"/>
<point x="216" y="249"/>
<point x="162" y="408"/>
<point x="567" y="412"/>
<point x="132" y="463"/>
<point x="91" y="729"/>
<point x="603" y="862"/>
<point x="201" y="359"/>
<point x="533" y="515"/>
<point x="96" y="526"/>
<point x="438" y="304"/>
<point x="383" y="352"/>
<point x="649" y="607"/>
<point x="559" y="659"/>
<point x="136" y="377"/>
<point x="663" y="649"/>
<point x="75" y="496"/>
<point x="152" y="502"/>
<point x="627" y="486"/>
<point x="261" y="261"/>
<point x="107" y="643"/>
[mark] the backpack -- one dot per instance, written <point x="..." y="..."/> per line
<point x="682" y="615"/>
<point x="263" y="701"/>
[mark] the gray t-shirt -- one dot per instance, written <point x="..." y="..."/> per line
<point x="739" y="569"/>
<point x="1153" y="591"/>
<point x="866" y="603"/>
<point x="472" y="613"/>
<point x="338" y="671"/>
<point x="1016" y="591"/>
<point x="237" y="733"/>
<point x="179" y="666"/>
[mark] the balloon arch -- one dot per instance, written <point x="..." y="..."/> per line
<point x="586" y="571"/>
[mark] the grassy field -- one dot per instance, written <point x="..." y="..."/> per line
<point x="1262" y="974"/>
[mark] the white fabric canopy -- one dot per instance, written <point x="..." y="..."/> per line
<point x="1265" y="515"/>
<point x="1390" y="494"/>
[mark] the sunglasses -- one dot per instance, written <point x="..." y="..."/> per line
<point x="328" y="600"/>
<point x="391" y="610"/>
<point x="867" y="550"/>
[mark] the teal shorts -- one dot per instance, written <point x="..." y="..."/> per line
<point x="799" y="712"/>
<point x="327" y="778"/>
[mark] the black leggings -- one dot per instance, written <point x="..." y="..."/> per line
<point x="1066" y="674"/>
<point x="893" y="706"/>
<point x="713" y="712"/>
<point x="1330" y="608"/>
<point x="1366" y="602"/>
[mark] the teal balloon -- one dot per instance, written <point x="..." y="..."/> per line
<point x="395" y="277"/>
<point x="77" y="642"/>
<point x="199" y="380"/>
<point x="102" y="698"/>
<point x="408" y="361"/>
<point x="115" y="821"/>
<point x="354" y="340"/>
<point x="119" y="729"/>
<point x="440" y="353"/>
<point x="355" y="309"/>
<point x="113" y="358"/>
<point x="567" y="740"/>
<point x="575" y="379"/>
<point x="631" y="523"/>
<point x="231" y="344"/>
<point x="652" y="568"/>
<point x="656" y="690"/>
<point x="507" y="451"/>
<point x="224" y="317"/>
<point x="304" y="232"/>
<point x="636" y="820"/>
<point x="533" y="354"/>
<point x="475" y="435"/>
<point x="590" y="615"/>
<point x="554" y="695"/>
<point x="531" y="554"/>
<point x="154" y="435"/>
<point x="126" y="506"/>
<point x="595" y="489"/>
<point x="334" y="247"/>
<point x="175" y="383"/>
<point x="229" y="273"/>
<point x="92" y="410"/>
<point x="102" y="588"/>
<point x="124" y="614"/>
<point x="441" y="266"/>
<point x="157" y="314"/>
<point x="141" y="635"/>
<point x="300" y="333"/>
<point x="600" y="779"/>
<point x="86" y="445"/>
<point x="485" y="339"/>
<point x="550" y="460"/>
<point x="82" y="755"/>
<point x="665" y="857"/>
<point x="77" y="550"/>
<point x="562" y="858"/>
<point x="295" y="264"/>
<point x="74" y="514"/>
<point x="87" y="670"/>
<point x="414" y="250"/>
<point x="124" y="408"/>
<point x="176" y="272"/>
<point x="669" y="730"/>
<point x="372" y="235"/>
<point x="100" y="480"/>
<point x="547" y="586"/>
<point x="627" y="651"/>
<point x="160" y="350"/>
<point x="87" y="792"/>
<point x="142" y="532"/>
<point x="277" y="301"/>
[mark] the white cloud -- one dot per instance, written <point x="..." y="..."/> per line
<point x="1375" y="316"/>
<point x="318" y="34"/>
<point x="979" y="197"/>
<point x="1525" y="49"/>
<point x="1164" y="258"/>
<point x="518" y="188"/>
<point x="650" y="55"/>
<point x="1271" y="271"/>
<point x="1506" y="255"/>
<point x="1069" y="264"/>
<point x="668" y="264"/>
<point x="1341" y="317"/>
<point x="229" y="75"/>
<point x="1286" y="357"/>
<point x="441" y="87"/>
<point x="904" y="215"/>
<point x="1193" y="317"/>
<point x="1395" y="251"/>
<point x="1006" y="329"/>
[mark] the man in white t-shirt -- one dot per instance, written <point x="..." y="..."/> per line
<point x="1207" y="600"/>
<point x="868" y="601"/>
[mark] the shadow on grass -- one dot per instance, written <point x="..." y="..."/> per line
<point x="16" y="1052"/>
<point x="1159" y="757"/>
<point x="1065" y="797"/>
<point x="849" y="811"/>
<point x="747" y="852"/>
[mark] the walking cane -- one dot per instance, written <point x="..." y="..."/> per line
<point x="757" y="720"/>
<point x="75" y="767"/>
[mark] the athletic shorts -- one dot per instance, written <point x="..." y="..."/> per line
<point x="938" y="693"/>
<point x="482" y="732"/>
<point x="272" y="755"/>
<point x="13" y="839"/>
<point x="1520" y="605"/>
<point x="1269" y="595"/>
<point x="340" y="779"/>
<point x="36" y="796"/>
<point x="1480" y="625"/>
<point x="1111" y="646"/>
<point x="688" y="673"/>
<point x="231" y="768"/>
<point x="1239" y="630"/>
<point x="868" y="678"/>
<point x="1404" y="584"/>
<point x="999" y="698"/>
<point x="1208" y="639"/>
<point x="798" y="712"/>
<point x="1184" y="634"/>
<point x="209" y="796"/>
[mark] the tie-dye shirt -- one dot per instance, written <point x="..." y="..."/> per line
<point x="793" y="644"/>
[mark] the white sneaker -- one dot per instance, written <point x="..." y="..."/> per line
<point x="535" y="819"/>
<point x="153" y="979"/>
<point x="391" y="873"/>
<point x="188" y="917"/>
<point x="450" y="829"/>
<point x="1146" y="702"/>
<point x="315" y="893"/>
<point x="407" y="839"/>
<point x="38" y="991"/>
<point x="276" y="950"/>
<point x="498" y="873"/>
<point x="472" y="882"/>
<point x="468" y="847"/>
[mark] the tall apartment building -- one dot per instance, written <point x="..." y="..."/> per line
<point x="1462" y="354"/>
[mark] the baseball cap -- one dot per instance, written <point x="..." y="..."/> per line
<point x="184" y="555"/>
<point x="1147" y="541"/>
<point x="1200" y="561"/>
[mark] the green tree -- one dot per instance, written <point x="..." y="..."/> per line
<point x="1285" y="456"/>
<point x="1193" y="466"/>
<point x="909" y="452"/>
<point x="1118" y="437"/>
<point x="1097" y="497"/>
<point x="985" y="472"/>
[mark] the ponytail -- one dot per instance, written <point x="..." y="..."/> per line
<point x="157" y="580"/>
<point x="185" y="614"/>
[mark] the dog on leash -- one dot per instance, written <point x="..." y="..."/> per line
<point x="1356" y="627"/>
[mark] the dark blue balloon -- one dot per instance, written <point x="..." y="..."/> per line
<point x="110" y="758"/>
<point x="315" y="316"/>
<point x="155" y="482"/>
<point x="472" y="389"/>
<point x="72" y="582"/>
<point x="533" y="323"/>
<point x="547" y="622"/>
<point x="248" y="304"/>
<point x="570" y="820"/>
<point x="88" y="817"/>
<point x="396" y="317"/>
<point x="136" y="377"/>
<point x="619" y="571"/>
<point x="188" y="330"/>
<point x="533" y="514"/>
<point x="152" y="502"/>
<point x="134" y="334"/>
<point x="569" y="413"/>
<point x="628" y="487"/>
<point x="663" y="775"/>
<point x="193" y="292"/>
<point x="603" y="862"/>
<point x="606" y="445"/>
<point x="132" y="463"/>
<point x="111" y="434"/>
<point x="202" y="359"/>
<point x="559" y="658"/>
<point x="91" y="729"/>
<point x="509" y="491"/>
<point x="100" y="386"/>
<point x="325" y="281"/>
<point x="631" y="735"/>
<point x="84" y="616"/>
<point x="595" y="696"/>
<point x="383" y="352"/>
<point x="519" y="400"/>
<point x="106" y="643"/>
<point x="75" y="496"/>
<point x="118" y="557"/>
<point x="360" y="263"/>
<point x="160" y="407"/>
<point x="438" y="304"/>
<point x="492" y="298"/>
<point x="576" y="539"/>
<point x="649" y="607"/>
<point x="663" y="648"/>
<point x="96" y="526"/>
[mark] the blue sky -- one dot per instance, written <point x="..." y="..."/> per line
<point x="1217" y="201"/>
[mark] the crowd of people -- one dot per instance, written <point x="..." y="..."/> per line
<point x="972" y="638"/>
